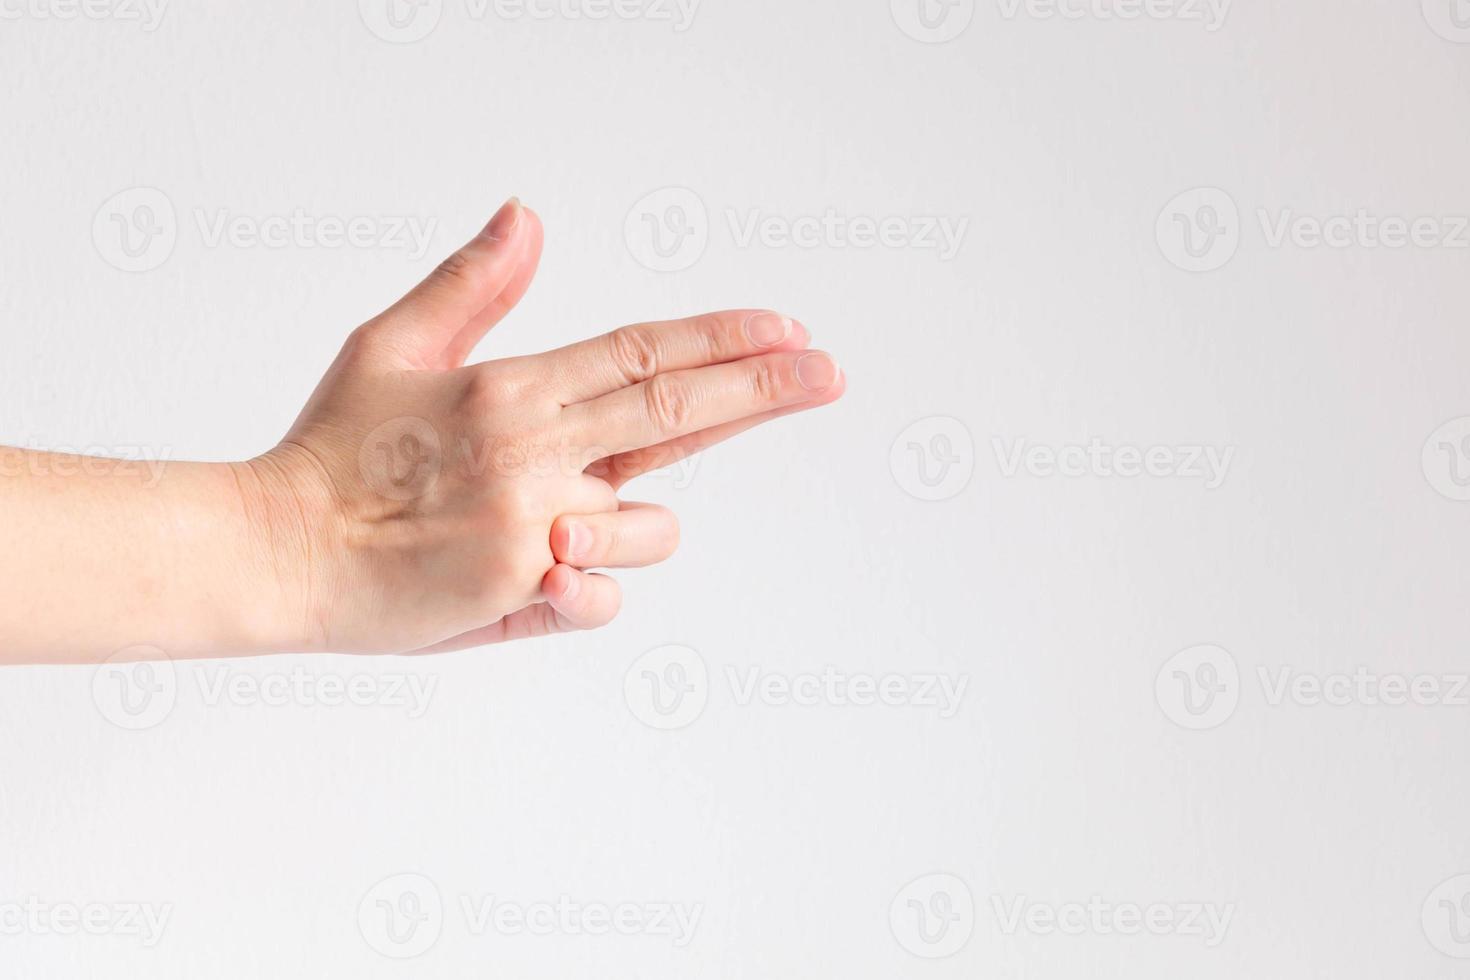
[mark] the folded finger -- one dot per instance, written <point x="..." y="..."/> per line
<point x="581" y="600"/>
<point x="634" y="536"/>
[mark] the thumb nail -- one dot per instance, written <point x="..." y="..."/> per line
<point x="503" y="225"/>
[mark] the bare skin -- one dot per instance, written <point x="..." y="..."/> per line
<point x="417" y="504"/>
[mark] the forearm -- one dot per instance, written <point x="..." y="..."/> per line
<point x="98" y="556"/>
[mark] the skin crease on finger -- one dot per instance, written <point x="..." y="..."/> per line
<point x="418" y="503"/>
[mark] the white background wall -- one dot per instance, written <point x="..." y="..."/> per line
<point x="1083" y="763"/>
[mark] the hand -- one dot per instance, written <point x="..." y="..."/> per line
<point x="431" y="506"/>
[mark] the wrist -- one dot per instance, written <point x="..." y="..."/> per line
<point x="287" y="505"/>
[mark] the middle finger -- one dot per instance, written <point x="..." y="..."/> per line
<point x="674" y="404"/>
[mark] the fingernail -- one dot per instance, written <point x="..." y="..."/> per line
<point x="579" y="539"/>
<point x="816" y="371"/>
<point x="505" y="220"/>
<point x="574" y="585"/>
<point x="767" y="329"/>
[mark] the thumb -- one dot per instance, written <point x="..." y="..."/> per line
<point x="442" y="318"/>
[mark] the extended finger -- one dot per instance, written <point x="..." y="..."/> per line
<point x="428" y="320"/>
<point x="636" y="353"/>
<point x="532" y="237"/>
<point x="680" y="402"/>
<point x="619" y="469"/>
<point x="636" y="535"/>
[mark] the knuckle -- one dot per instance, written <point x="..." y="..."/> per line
<point x="370" y="340"/>
<point x="364" y="337"/>
<point x="488" y="389"/>
<point x="670" y="404"/>
<point x="635" y="352"/>
<point x="457" y="268"/>
<point x="765" y="381"/>
<point x="547" y="619"/>
<point x="561" y="538"/>
<point x="516" y="508"/>
<point x="711" y="334"/>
